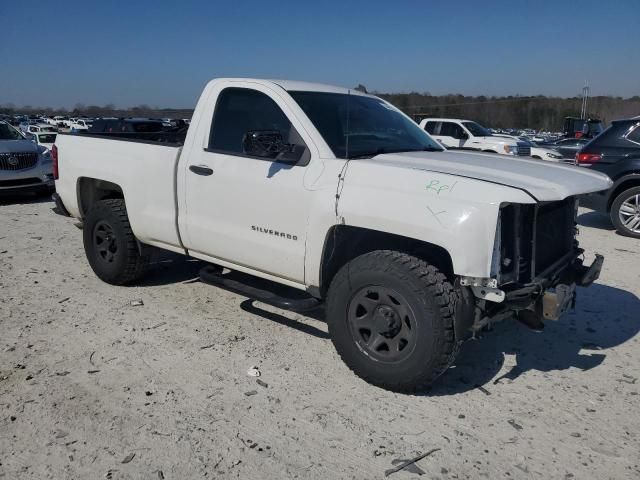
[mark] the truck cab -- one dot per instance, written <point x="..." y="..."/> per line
<point x="469" y="135"/>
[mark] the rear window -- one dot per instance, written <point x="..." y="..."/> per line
<point x="430" y="127"/>
<point x="634" y="136"/>
<point x="50" y="138"/>
<point x="618" y="135"/>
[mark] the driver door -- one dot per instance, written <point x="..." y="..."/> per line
<point x="452" y="135"/>
<point x="246" y="210"/>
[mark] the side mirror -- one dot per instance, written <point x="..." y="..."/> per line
<point x="463" y="136"/>
<point x="270" y="144"/>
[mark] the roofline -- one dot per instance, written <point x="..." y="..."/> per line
<point x="294" y="85"/>
<point x="440" y="119"/>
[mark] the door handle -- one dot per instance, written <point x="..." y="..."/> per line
<point x="200" y="170"/>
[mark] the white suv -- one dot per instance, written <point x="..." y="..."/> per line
<point x="468" y="135"/>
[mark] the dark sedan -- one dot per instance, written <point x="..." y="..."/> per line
<point x="616" y="152"/>
<point x="568" y="147"/>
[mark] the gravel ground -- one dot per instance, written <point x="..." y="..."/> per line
<point x="92" y="386"/>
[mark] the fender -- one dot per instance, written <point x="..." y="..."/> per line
<point x="633" y="177"/>
<point x="458" y="214"/>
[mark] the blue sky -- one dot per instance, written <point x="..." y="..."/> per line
<point x="161" y="53"/>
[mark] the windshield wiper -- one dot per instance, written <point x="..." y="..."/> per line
<point x="429" y="149"/>
<point x="382" y="150"/>
<point x="378" y="151"/>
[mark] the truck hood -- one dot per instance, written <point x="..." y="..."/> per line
<point x="544" y="181"/>
<point x="15" y="146"/>
<point x="498" y="139"/>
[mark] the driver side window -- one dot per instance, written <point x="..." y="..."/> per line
<point x="242" y="110"/>
<point x="449" y="129"/>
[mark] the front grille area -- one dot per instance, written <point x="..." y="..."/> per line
<point x="554" y="233"/>
<point x="524" y="150"/>
<point x="18" y="161"/>
<point x="534" y="237"/>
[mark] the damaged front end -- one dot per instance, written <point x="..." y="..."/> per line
<point x="536" y="267"/>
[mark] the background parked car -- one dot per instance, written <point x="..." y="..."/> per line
<point x="44" y="139"/>
<point x="58" y="121"/>
<point x="567" y="147"/>
<point x="544" y="153"/>
<point x="616" y="152"/>
<point x="81" y="124"/>
<point x="137" y="128"/>
<point x="24" y="166"/>
<point x="468" y="135"/>
<point x="126" y="125"/>
<point x="40" y="127"/>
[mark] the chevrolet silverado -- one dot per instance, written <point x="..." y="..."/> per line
<point x="341" y="196"/>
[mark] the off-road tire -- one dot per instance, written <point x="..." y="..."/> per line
<point x="615" y="212"/>
<point x="128" y="264"/>
<point x="430" y="296"/>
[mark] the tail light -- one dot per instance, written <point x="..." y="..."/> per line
<point x="54" y="158"/>
<point x="587" y="157"/>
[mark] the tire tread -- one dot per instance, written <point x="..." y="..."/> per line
<point x="135" y="263"/>
<point x="431" y="283"/>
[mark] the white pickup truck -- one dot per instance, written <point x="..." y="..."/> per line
<point x="341" y="196"/>
<point x="469" y="135"/>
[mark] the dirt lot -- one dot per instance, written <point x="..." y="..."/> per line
<point x="93" y="387"/>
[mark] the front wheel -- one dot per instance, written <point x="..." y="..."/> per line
<point x="391" y="319"/>
<point x="625" y="212"/>
<point x="110" y="245"/>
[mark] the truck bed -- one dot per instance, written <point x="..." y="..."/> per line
<point x="175" y="138"/>
<point x="145" y="170"/>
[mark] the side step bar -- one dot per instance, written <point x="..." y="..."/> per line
<point x="212" y="274"/>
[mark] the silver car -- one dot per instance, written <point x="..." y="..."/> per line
<point x="24" y="166"/>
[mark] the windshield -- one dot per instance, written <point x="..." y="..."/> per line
<point x="477" y="130"/>
<point x="357" y="126"/>
<point x="527" y="141"/>
<point x="9" y="133"/>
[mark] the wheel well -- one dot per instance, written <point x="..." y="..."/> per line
<point x="344" y="243"/>
<point x="92" y="190"/>
<point x="634" y="181"/>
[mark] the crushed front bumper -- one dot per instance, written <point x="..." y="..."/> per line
<point x="548" y="297"/>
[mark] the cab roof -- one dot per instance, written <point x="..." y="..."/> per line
<point x="295" y="85"/>
<point x="432" y="119"/>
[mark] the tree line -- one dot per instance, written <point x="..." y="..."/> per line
<point x="537" y="112"/>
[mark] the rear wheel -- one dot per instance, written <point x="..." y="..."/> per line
<point x="390" y="317"/>
<point x="625" y="212"/>
<point x="110" y="245"/>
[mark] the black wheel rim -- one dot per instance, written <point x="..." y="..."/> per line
<point x="382" y="324"/>
<point x="104" y="242"/>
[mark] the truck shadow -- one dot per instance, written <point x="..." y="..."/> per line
<point x="318" y="314"/>
<point x="604" y="318"/>
<point x="595" y="220"/>
<point x="168" y="267"/>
